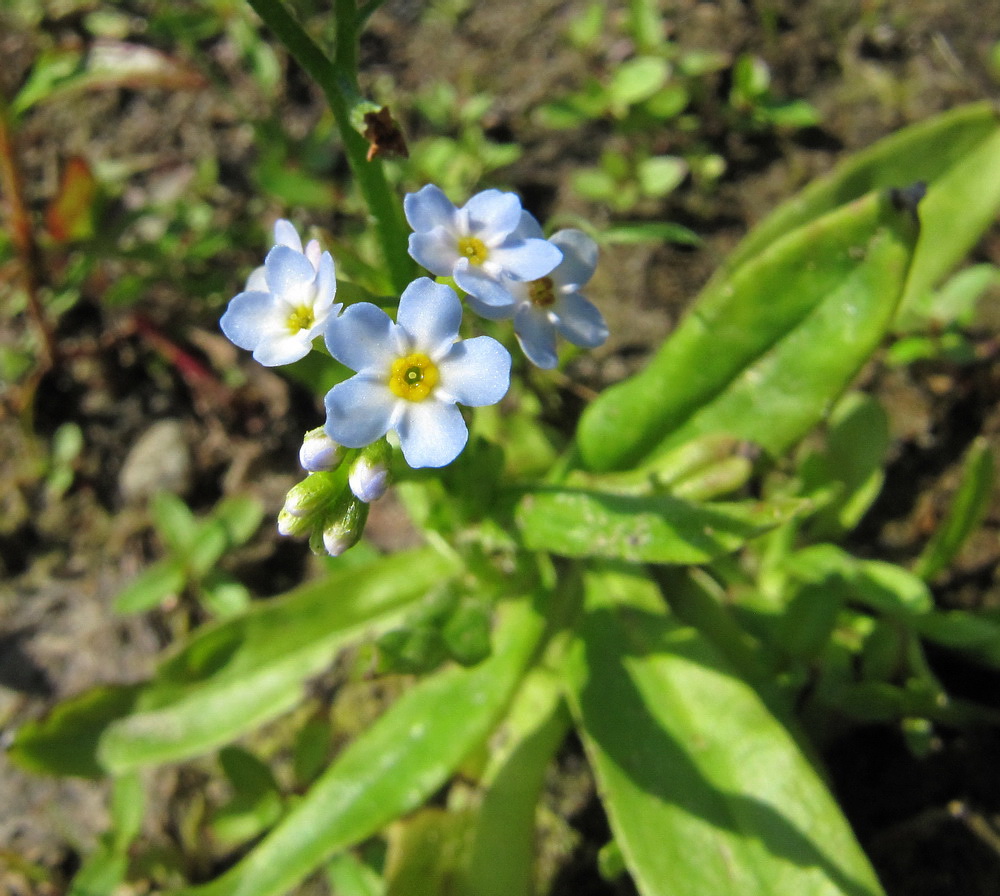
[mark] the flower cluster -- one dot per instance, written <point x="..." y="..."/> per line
<point x="412" y="373"/>
<point x="495" y="252"/>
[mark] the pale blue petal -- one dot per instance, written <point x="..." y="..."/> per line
<point x="527" y="259"/>
<point x="489" y="292"/>
<point x="536" y="336"/>
<point x="287" y="270"/>
<point x="250" y="318"/>
<point x="285" y="234"/>
<point x="431" y="433"/>
<point x="579" y="257"/>
<point x="257" y="281"/>
<point x="359" y="411"/>
<point x="283" y="348"/>
<point x="431" y="314"/>
<point x="493" y="213"/>
<point x="313" y="251"/>
<point x="579" y="321"/>
<point x="428" y="208"/>
<point x="475" y="372"/>
<point x="436" y="250"/>
<point x="527" y="228"/>
<point x="363" y="338"/>
<point x="326" y="282"/>
<point x="490" y="312"/>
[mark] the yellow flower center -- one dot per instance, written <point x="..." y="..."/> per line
<point x="542" y="292"/>
<point x="413" y="377"/>
<point x="473" y="248"/>
<point x="301" y="318"/>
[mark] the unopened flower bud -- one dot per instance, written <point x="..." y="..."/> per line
<point x="319" y="453"/>
<point x="292" y="525"/>
<point x="310" y="495"/>
<point x="370" y="476"/>
<point x="343" y="528"/>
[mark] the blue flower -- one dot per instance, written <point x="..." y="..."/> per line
<point x="411" y="375"/>
<point x="286" y="303"/>
<point x="480" y="244"/>
<point x="553" y="304"/>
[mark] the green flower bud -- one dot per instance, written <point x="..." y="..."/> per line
<point x="342" y="527"/>
<point x="311" y="495"/>
<point x="295" y="526"/>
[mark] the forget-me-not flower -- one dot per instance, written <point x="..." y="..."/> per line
<point x="553" y="303"/>
<point x="411" y="375"/>
<point x="286" y="302"/>
<point x="480" y="244"/>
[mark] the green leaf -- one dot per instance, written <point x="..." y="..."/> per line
<point x="501" y="848"/>
<point x="349" y="876"/>
<point x="876" y="584"/>
<point x="425" y="852"/>
<point x="763" y="355"/>
<point x="628" y="233"/>
<point x="161" y="580"/>
<point x="256" y="802"/>
<point x="222" y="596"/>
<point x="390" y="769"/>
<point x="312" y="747"/>
<point x="954" y="304"/>
<point x="705" y="790"/>
<point x="975" y="635"/>
<point x="104" y="870"/>
<point x="971" y="501"/>
<point x="957" y="154"/>
<point x="241" y="517"/>
<point x="594" y="183"/>
<point x="586" y="27"/>
<point x="751" y="78"/>
<point x="51" y="72"/>
<point x="790" y="114"/>
<point x="636" y="80"/>
<point x="101" y="874"/>
<point x="128" y="801"/>
<point x="659" y="175"/>
<point x="857" y="442"/>
<point x="237" y="674"/>
<point x="174" y="521"/>
<point x="65" y="742"/>
<point x="643" y="528"/>
<point x="921" y="152"/>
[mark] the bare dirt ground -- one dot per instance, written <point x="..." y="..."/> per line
<point x="870" y="68"/>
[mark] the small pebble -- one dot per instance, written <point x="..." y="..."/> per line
<point x="160" y="460"/>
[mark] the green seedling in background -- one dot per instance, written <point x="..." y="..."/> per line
<point x="195" y="548"/>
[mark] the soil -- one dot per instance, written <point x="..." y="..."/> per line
<point x="930" y="825"/>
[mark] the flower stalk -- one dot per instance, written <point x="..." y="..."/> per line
<point x="338" y="80"/>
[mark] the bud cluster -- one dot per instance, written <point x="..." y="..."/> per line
<point x="330" y="506"/>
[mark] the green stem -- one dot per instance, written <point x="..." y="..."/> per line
<point x="338" y="80"/>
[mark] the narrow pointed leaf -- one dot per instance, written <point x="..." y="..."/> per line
<point x="763" y="354"/>
<point x="706" y="791"/>
<point x="643" y="528"/>
<point x="393" y="767"/>
<point x="65" y="741"/>
<point x="972" y="500"/>
<point x="922" y="152"/>
<point x="235" y="675"/>
<point x="502" y="837"/>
